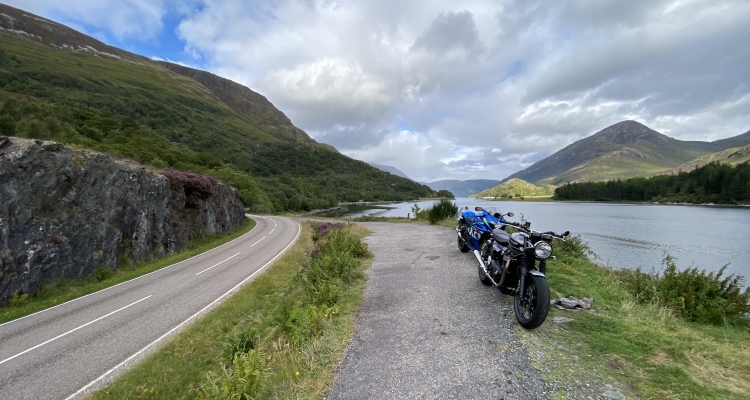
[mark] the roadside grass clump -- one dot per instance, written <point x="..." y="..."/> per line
<point x="643" y="349"/>
<point x="104" y="277"/>
<point x="311" y="301"/>
<point x="442" y="210"/>
<point x="691" y="293"/>
<point x="280" y="336"/>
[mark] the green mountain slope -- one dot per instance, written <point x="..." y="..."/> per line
<point x="515" y="188"/>
<point x="623" y="150"/>
<point x="58" y="84"/>
<point x="463" y="188"/>
<point x="733" y="156"/>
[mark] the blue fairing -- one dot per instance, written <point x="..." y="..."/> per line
<point x="479" y="225"/>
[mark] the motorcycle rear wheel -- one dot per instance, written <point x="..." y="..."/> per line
<point x="532" y="304"/>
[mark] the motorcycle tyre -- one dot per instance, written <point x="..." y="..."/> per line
<point x="482" y="276"/>
<point x="462" y="246"/>
<point x="540" y="289"/>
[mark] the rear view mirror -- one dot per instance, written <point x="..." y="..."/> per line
<point x="510" y="214"/>
<point x="478" y="208"/>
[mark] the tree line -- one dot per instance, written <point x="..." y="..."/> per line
<point x="712" y="183"/>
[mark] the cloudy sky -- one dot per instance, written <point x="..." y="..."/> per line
<point x="454" y="89"/>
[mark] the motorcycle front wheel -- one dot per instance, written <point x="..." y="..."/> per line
<point x="461" y="243"/>
<point x="531" y="304"/>
<point x="482" y="276"/>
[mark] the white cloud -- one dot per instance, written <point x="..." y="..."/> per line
<point x="471" y="89"/>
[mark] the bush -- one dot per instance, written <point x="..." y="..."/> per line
<point x="696" y="295"/>
<point x="443" y="209"/>
<point x="103" y="273"/>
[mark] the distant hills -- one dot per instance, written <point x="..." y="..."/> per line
<point x="462" y="188"/>
<point x="626" y="149"/>
<point x="59" y="84"/>
<point x="390" y="169"/>
<point x="516" y="188"/>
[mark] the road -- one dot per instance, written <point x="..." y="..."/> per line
<point x="71" y="349"/>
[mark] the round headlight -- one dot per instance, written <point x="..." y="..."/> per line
<point x="542" y="250"/>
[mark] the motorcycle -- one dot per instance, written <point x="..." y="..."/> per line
<point x="515" y="263"/>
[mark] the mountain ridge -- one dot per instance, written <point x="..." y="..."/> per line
<point x="462" y="188"/>
<point x="59" y="84"/>
<point x="623" y="150"/>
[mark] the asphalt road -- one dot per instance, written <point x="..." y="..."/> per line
<point x="76" y="347"/>
<point x="428" y="329"/>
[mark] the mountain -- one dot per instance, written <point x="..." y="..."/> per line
<point x="516" y="188"/>
<point x="624" y="150"/>
<point x="59" y="84"/>
<point x="462" y="188"/>
<point x="390" y="169"/>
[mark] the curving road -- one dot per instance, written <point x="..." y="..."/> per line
<point x="68" y="350"/>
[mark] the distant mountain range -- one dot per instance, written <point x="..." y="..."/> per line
<point x="390" y="169"/>
<point x="626" y="149"/>
<point x="462" y="188"/>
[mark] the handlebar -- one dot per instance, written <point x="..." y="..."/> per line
<point x="528" y="230"/>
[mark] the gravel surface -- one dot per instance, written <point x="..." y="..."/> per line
<point x="429" y="329"/>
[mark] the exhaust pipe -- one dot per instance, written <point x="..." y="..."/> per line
<point x="487" y="272"/>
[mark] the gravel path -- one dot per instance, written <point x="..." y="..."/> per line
<point x="428" y="329"/>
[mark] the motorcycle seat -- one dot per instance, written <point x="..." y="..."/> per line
<point x="501" y="236"/>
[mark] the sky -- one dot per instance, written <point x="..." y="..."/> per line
<point x="453" y="89"/>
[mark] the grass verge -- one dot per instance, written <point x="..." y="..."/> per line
<point x="64" y="291"/>
<point x="261" y="342"/>
<point x="642" y="350"/>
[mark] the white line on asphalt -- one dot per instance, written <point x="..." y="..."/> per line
<point x="73" y="330"/>
<point x="138" y="277"/>
<point x="261" y="239"/>
<point x="92" y="383"/>
<point x="216" y="264"/>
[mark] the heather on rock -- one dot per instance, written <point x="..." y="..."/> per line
<point x="69" y="214"/>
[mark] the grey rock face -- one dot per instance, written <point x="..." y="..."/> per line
<point x="65" y="213"/>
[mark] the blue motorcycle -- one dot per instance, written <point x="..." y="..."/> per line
<point x="475" y="227"/>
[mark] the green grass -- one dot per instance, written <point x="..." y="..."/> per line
<point x="642" y="349"/>
<point x="144" y="112"/>
<point x="250" y="323"/>
<point x="51" y="296"/>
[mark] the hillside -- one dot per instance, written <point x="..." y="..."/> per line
<point x="515" y="188"/>
<point x="462" y="188"/>
<point x="58" y="84"/>
<point x="733" y="156"/>
<point x="391" y="170"/>
<point x="624" y="150"/>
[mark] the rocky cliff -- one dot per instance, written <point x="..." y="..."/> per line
<point x="65" y="213"/>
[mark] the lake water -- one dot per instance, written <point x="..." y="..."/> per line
<point x="630" y="235"/>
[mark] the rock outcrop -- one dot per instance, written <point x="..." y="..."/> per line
<point x="65" y="213"/>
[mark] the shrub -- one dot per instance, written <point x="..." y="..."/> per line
<point x="696" y="295"/>
<point x="443" y="209"/>
<point x="240" y="381"/>
<point x="103" y="273"/>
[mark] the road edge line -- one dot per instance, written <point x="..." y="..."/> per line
<point x="171" y="331"/>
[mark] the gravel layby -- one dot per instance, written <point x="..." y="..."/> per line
<point x="428" y="329"/>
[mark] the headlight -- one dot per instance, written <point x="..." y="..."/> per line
<point x="542" y="250"/>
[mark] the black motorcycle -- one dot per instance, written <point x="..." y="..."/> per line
<point x="516" y="263"/>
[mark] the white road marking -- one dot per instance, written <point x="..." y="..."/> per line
<point x="261" y="239"/>
<point x="138" y="277"/>
<point x="216" y="264"/>
<point x="92" y="383"/>
<point x="73" y="330"/>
